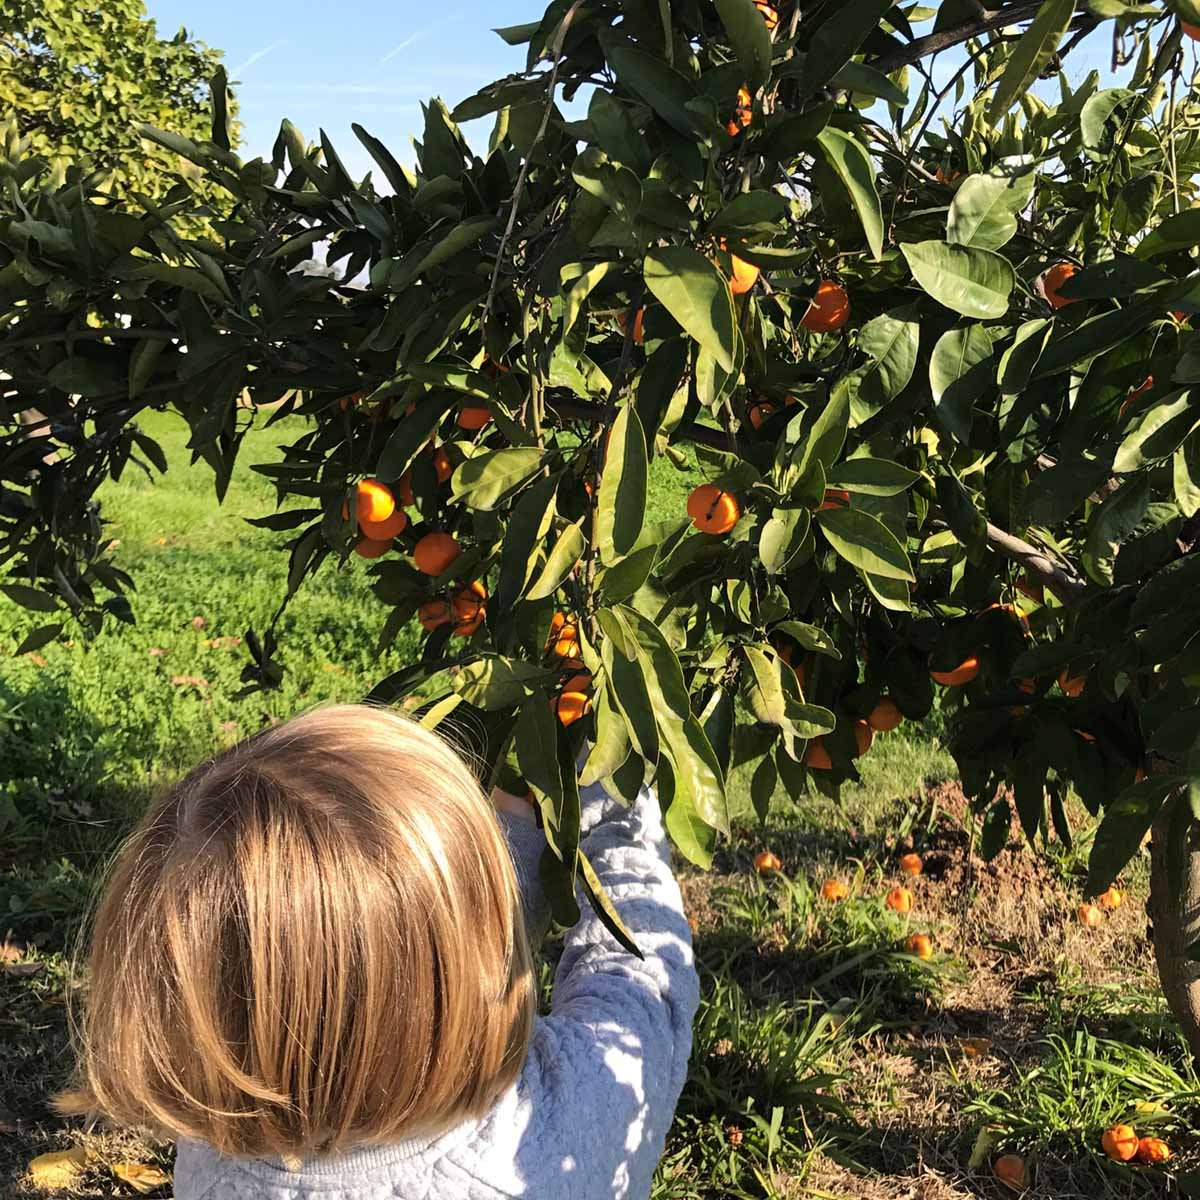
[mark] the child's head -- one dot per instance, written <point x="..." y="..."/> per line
<point x="314" y="941"/>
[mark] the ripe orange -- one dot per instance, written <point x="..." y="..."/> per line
<point x="829" y="309"/>
<point x="435" y="552"/>
<point x="1152" y="1149"/>
<point x="911" y="864"/>
<point x="816" y="758"/>
<point x="920" y="944"/>
<point x="760" y="412"/>
<point x="834" y="890"/>
<point x="900" y="900"/>
<point x="942" y="177"/>
<point x="885" y="716"/>
<point x="432" y="614"/>
<point x="1120" y="1142"/>
<point x="743" y="113"/>
<point x="465" y="626"/>
<point x="1053" y="279"/>
<point x="864" y="735"/>
<point x="473" y="416"/>
<point x="569" y="707"/>
<point x="745" y="276"/>
<point x="1192" y="31"/>
<point x="962" y="674"/>
<point x="564" y="637"/>
<point x="834" y="498"/>
<point x="441" y="465"/>
<point x="468" y="600"/>
<point x="1110" y="899"/>
<point x="770" y="16"/>
<point x="404" y="492"/>
<point x="373" y="501"/>
<point x="765" y="862"/>
<point x="1139" y="775"/>
<point x="712" y="510"/>
<point x="369" y="548"/>
<point x="638" y="330"/>
<point x="1090" y="916"/>
<point x="388" y="528"/>
<point x="1141" y="389"/>
<point x="1071" y="684"/>
<point x="1010" y="1169"/>
<point x="581" y="681"/>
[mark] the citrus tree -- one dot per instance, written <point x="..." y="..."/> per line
<point x="915" y="330"/>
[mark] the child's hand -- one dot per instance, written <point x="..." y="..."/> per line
<point x="520" y="807"/>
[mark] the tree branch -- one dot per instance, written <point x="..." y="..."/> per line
<point x="1063" y="582"/>
<point x="933" y="43"/>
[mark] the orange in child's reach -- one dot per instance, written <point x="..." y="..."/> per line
<point x="373" y="501"/>
<point x="473" y="417"/>
<point x="712" y="510"/>
<point x="828" y="310"/>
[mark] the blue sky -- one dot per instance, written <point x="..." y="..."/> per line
<point x="324" y="65"/>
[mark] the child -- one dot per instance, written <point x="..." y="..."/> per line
<point x="311" y="967"/>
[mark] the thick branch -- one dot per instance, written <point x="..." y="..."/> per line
<point x="945" y="38"/>
<point x="1063" y="583"/>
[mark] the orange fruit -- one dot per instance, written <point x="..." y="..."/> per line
<point x="1034" y="589"/>
<point x="975" y="1047"/>
<point x="745" y="276"/>
<point x="388" y="528"/>
<point x="885" y="716"/>
<point x="942" y="176"/>
<point x="369" y="548"/>
<point x="1139" y="775"/>
<point x="468" y="600"/>
<point x="432" y="614"/>
<point x="1090" y="916"/>
<point x="743" y="113"/>
<point x="770" y="16"/>
<point x="1192" y="31"/>
<point x="465" y="626"/>
<point x="864" y="735"/>
<point x="1120" y="1142"/>
<point x="1053" y="279"/>
<point x="712" y="510"/>
<point x="373" y="501"/>
<point x="900" y="900"/>
<point x="404" y="492"/>
<point x="834" y="498"/>
<point x="1110" y="898"/>
<point x="1141" y="389"/>
<point x="441" y="465"/>
<point x="1152" y="1150"/>
<point x="569" y="707"/>
<point x="638" y="329"/>
<point x="760" y="412"/>
<point x="1010" y="1169"/>
<point x="581" y="681"/>
<point x="816" y="758"/>
<point x="1071" y="684"/>
<point x="491" y="368"/>
<point x="963" y="673"/>
<point x="351" y="401"/>
<point x="435" y="552"/>
<point x="834" y="890"/>
<point x="911" y="864"/>
<point x="765" y="862"/>
<point x="920" y="944"/>
<point x="829" y="309"/>
<point x="1027" y="687"/>
<point x="473" y="416"/>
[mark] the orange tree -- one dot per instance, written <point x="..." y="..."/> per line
<point x="923" y="332"/>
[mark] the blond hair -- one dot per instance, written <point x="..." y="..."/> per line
<point x="313" y="942"/>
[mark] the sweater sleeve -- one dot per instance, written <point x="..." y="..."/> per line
<point x="607" y="1066"/>
<point x="525" y="843"/>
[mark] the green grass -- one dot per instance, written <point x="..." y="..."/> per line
<point x="827" y="1061"/>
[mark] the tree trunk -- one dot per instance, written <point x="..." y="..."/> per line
<point x="1175" y="921"/>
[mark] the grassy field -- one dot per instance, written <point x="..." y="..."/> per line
<point x="827" y="1061"/>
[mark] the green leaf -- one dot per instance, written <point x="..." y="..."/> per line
<point x="1126" y="822"/>
<point x="604" y="908"/>
<point x="789" y="135"/>
<point x="1179" y="232"/>
<point x="1102" y="119"/>
<point x="750" y="212"/>
<point x="871" y="477"/>
<point x="774" y="697"/>
<point x="966" y="522"/>
<point x="30" y="598"/>
<point x="622" y="579"/>
<point x="611" y="747"/>
<point x="493" y="682"/>
<point x="827" y="436"/>
<point x="865" y="80"/>
<point x="976" y="283"/>
<point x="849" y="159"/>
<point x="43" y="635"/>
<point x="865" y="542"/>
<point x="696" y="294"/>
<point x="483" y="481"/>
<point x="749" y="37"/>
<point x="1032" y="53"/>
<point x="1159" y="433"/>
<point x="1109" y="280"/>
<point x="960" y="372"/>
<point x="1029" y="792"/>
<point x="1186" y="472"/>
<point x="810" y="637"/>
<point x="463" y="236"/>
<point x="663" y="88"/>
<point x="617" y="187"/>
<point x="568" y="550"/>
<point x="527" y="529"/>
<point x="219" y="90"/>
<point x="89" y="377"/>
<point x="627" y="685"/>
<point x="838" y="38"/>
<point x="782" y="537"/>
<point x="616" y="133"/>
<point x="692" y="837"/>
<point x="411" y="435"/>
<point x="1110" y="524"/>
<point x="187" y="278"/>
<point x="1019" y="361"/>
<point x="891" y="341"/>
<point x="621" y="507"/>
<point x="984" y="210"/>
<point x="580" y="290"/>
<point x="141" y="365"/>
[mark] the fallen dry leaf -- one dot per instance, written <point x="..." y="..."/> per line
<point x="196" y="681"/>
<point x="156" y="652"/>
<point x="35" y="658"/>
<point x="198" y="622"/>
<point x="58" y="1169"/>
<point x="219" y="643"/>
<point x="140" y="1177"/>
<point x="20" y="970"/>
<point x="161" y="542"/>
<point x="975" y="1047"/>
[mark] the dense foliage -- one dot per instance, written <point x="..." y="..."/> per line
<point x="941" y="382"/>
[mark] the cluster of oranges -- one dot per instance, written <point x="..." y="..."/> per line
<point x="1122" y="1144"/>
<point x="1092" y="914"/>
<point x="898" y="899"/>
<point x="573" y="699"/>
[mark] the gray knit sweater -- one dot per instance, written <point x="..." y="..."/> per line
<point x="587" y="1118"/>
